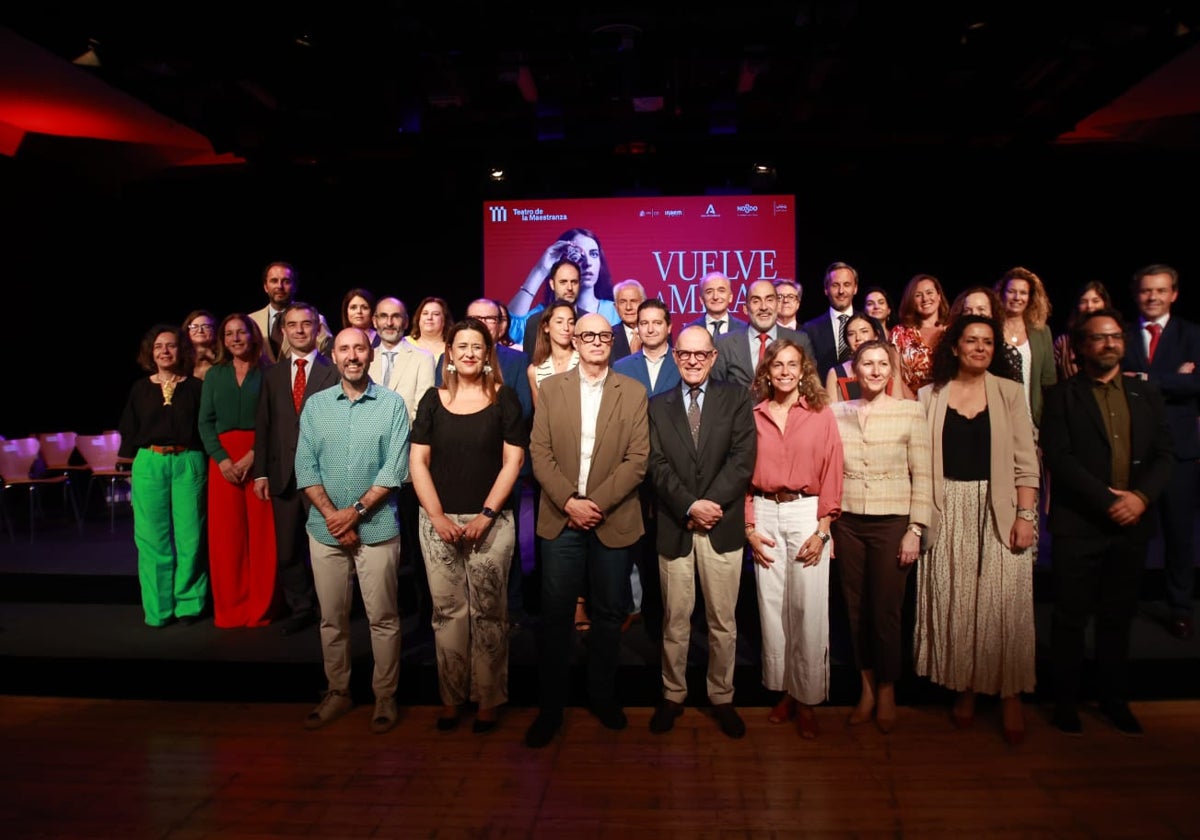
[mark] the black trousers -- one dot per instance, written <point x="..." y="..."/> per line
<point x="1094" y="577"/>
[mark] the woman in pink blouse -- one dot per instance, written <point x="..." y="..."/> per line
<point x="924" y="314"/>
<point x="794" y="495"/>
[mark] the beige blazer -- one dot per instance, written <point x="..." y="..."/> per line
<point x="1014" y="461"/>
<point x="261" y="317"/>
<point x="412" y="373"/>
<point x="619" y="458"/>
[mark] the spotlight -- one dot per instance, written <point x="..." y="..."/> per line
<point x="89" y="58"/>
<point x="496" y="174"/>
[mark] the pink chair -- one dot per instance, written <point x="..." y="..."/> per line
<point x="100" y="453"/>
<point x="17" y="460"/>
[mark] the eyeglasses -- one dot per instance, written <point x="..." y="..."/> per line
<point x="1104" y="338"/>
<point x="487" y="319"/>
<point x="789" y="298"/>
<point x="590" y="337"/>
<point x="698" y="355"/>
<point x="200" y="328"/>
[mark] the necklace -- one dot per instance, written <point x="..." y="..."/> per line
<point x="168" y="388"/>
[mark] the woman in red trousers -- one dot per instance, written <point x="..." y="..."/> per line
<point x="241" y="532"/>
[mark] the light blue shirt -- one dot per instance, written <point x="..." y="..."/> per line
<point x="348" y="446"/>
<point x="752" y="337"/>
<point x="687" y="396"/>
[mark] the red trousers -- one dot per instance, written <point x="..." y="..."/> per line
<point x="241" y="543"/>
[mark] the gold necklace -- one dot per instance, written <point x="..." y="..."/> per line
<point x="168" y="388"/>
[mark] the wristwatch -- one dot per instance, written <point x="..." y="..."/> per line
<point x="1028" y="514"/>
<point x="823" y="536"/>
<point x="489" y="513"/>
<point x="916" y="529"/>
<point x="360" y="509"/>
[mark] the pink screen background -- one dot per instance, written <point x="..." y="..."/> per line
<point x="667" y="244"/>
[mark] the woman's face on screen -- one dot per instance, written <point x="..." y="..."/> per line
<point x="585" y="253"/>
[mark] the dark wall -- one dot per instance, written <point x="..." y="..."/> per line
<point x="87" y="269"/>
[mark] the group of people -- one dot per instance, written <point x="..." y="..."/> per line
<point x="847" y="439"/>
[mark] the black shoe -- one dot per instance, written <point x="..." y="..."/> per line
<point x="1066" y="720"/>
<point x="729" y="720"/>
<point x="189" y="620"/>
<point x="300" y="621"/>
<point x="610" y="715"/>
<point x="543" y="729"/>
<point x="1181" y="628"/>
<point x="1121" y="718"/>
<point x="447" y="724"/>
<point x="664" y="716"/>
<point x="483" y="727"/>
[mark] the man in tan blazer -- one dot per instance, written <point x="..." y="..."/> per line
<point x="281" y="285"/>
<point x="590" y="446"/>
<point x="408" y="371"/>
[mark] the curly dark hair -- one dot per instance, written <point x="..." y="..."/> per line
<point x="945" y="363"/>
<point x="183" y="359"/>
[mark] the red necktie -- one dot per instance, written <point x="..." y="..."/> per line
<point x="298" y="385"/>
<point x="762" y="346"/>
<point x="1155" y="335"/>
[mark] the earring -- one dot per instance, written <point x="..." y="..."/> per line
<point x="450" y="368"/>
<point x="487" y="370"/>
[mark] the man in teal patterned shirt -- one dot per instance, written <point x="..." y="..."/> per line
<point x="351" y="457"/>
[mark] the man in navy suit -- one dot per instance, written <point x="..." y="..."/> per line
<point x="654" y="367"/>
<point x="514" y="370"/>
<point x="718" y="299"/>
<point x="841" y="285"/>
<point x="1106" y="444"/>
<point x="1165" y="349"/>
<point x="738" y="353"/>
<point x="702" y="450"/>
<point x="627" y="296"/>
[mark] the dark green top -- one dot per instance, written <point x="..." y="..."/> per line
<point x="225" y="405"/>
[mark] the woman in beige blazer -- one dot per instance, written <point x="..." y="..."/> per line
<point x="975" y="628"/>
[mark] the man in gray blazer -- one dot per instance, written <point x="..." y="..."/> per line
<point x="702" y="450"/>
<point x="276" y="433"/>
<point x="738" y="353"/>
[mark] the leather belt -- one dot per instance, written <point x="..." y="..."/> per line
<point x="167" y="450"/>
<point x="782" y="496"/>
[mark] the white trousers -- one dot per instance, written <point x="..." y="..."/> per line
<point x="793" y="602"/>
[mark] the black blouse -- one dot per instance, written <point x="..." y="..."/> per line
<point x="147" y="422"/>
<point x="466" y="451"/>
<point x="966" y="446"/>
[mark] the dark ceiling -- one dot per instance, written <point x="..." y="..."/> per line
<point x="380" y="81"/>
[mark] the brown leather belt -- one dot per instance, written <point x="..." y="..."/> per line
<point x="782" y="496"/>
<point x="167" y="450"/>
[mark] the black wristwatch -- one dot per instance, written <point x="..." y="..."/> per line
<point x="360" y="509"/>
<point x="489" y="513"/>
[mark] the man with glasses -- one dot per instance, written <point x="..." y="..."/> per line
<point x="401" y="366"/>
<point x="281" y="285"/>
<point x="589" y="445"/>
<point x="789" y="292"/>
<point x="1107" y="446"/>
<point x="739" y="353"/>
<point x="702" y="450"/>
<point x="841" y="285"/>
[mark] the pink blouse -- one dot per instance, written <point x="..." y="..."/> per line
<point x="805" y="458"/>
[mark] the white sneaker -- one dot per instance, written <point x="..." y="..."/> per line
<point x="332" y="706"/>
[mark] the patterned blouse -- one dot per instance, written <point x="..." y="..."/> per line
<point x="916" y="357"/>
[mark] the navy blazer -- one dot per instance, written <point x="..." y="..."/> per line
<point x="717" y="469"/>
<point x="1179" y="343"/>
<point x="635" y="368"/>
<point x="820" y="331"/>
<point x="277" y="423"/>
<point x="1077" y="454"/>
<point x="734" y="363"/>
<point x="620" y="345"/>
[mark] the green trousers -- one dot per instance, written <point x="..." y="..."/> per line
<point x="167" y="492"/>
